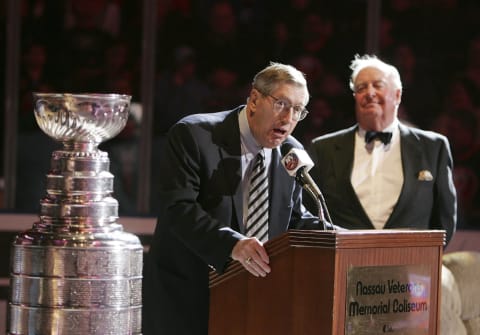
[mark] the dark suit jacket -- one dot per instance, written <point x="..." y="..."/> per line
<point x="422" y="204"/>
<point x="200" y="215"/>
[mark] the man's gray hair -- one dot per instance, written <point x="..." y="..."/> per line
<point x="361" y="62"/>
<point x="268" y="79"/>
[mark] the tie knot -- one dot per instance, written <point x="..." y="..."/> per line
<point x="260" y="157"/>
<point x="385" y="137"/>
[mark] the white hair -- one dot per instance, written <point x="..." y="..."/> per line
<point x="361" y="62"/>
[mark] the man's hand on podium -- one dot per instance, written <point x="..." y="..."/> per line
<point x="252" y="255"/>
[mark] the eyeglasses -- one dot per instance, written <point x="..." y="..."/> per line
<point x="280" y="105"/>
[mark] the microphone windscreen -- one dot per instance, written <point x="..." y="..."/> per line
<point x="285" y="148"/>
<point x="296" y="159"/>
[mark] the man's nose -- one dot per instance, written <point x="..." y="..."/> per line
<point x="287" y="114"/>
<point x="371" y="92"/>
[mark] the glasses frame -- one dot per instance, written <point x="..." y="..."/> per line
<point x="280" y="105"/>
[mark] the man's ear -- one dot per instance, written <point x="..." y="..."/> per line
<point x="253" y="99"/>
<point x="399" y="97"/>
<point x="254" y="96"/>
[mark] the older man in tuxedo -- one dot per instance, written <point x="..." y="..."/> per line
<point x="381" y="173"/>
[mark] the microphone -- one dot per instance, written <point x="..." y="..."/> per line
<point x="297" y="163"/>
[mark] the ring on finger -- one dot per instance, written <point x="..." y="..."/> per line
<point x="248" y="260"/>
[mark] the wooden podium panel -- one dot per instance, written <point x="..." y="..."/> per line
<point x="306" y="292"/>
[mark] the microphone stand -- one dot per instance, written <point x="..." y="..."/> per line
<point x="322" y="206"/>
<point x="317" y="195"/>
<point x="321" y="214"/>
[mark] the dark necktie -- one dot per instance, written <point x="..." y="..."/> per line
<point x="257" y="215"/>
<point x="372" y="135"/>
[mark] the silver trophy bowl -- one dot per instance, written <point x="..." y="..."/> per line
<point x="81" y="118"/>
<point x="76" y="271"/>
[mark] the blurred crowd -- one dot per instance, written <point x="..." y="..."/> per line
<point x="208" y="50"/>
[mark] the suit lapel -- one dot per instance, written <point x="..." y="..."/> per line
<point x="343" y="158"/>
<point x="342" y="167"/>
<point x="281" y="189"/>
<point x="411" y="164"/>
<point x="227" y="136"/>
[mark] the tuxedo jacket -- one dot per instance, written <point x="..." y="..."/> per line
<point x="200" y="219"/>
<point x="422" y="204"/>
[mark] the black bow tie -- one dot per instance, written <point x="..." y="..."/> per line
<point x="384" y="137"/>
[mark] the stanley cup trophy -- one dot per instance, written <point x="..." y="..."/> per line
<point x="76" y="271"/>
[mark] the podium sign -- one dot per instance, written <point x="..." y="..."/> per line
<point x="340" y="283"/>
<point x="388" y="299"/>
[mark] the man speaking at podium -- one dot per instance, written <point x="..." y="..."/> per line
<point x="381" y="173"/>
<point x="223" y="193"/>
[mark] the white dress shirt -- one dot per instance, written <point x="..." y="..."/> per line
<point x="377" y="175"/>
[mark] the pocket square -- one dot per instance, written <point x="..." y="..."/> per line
<point x="425" y="175"/>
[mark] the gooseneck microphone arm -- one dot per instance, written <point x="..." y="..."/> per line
<point x="304" y="178"/>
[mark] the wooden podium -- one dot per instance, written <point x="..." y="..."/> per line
<point x="335" y="282"/>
